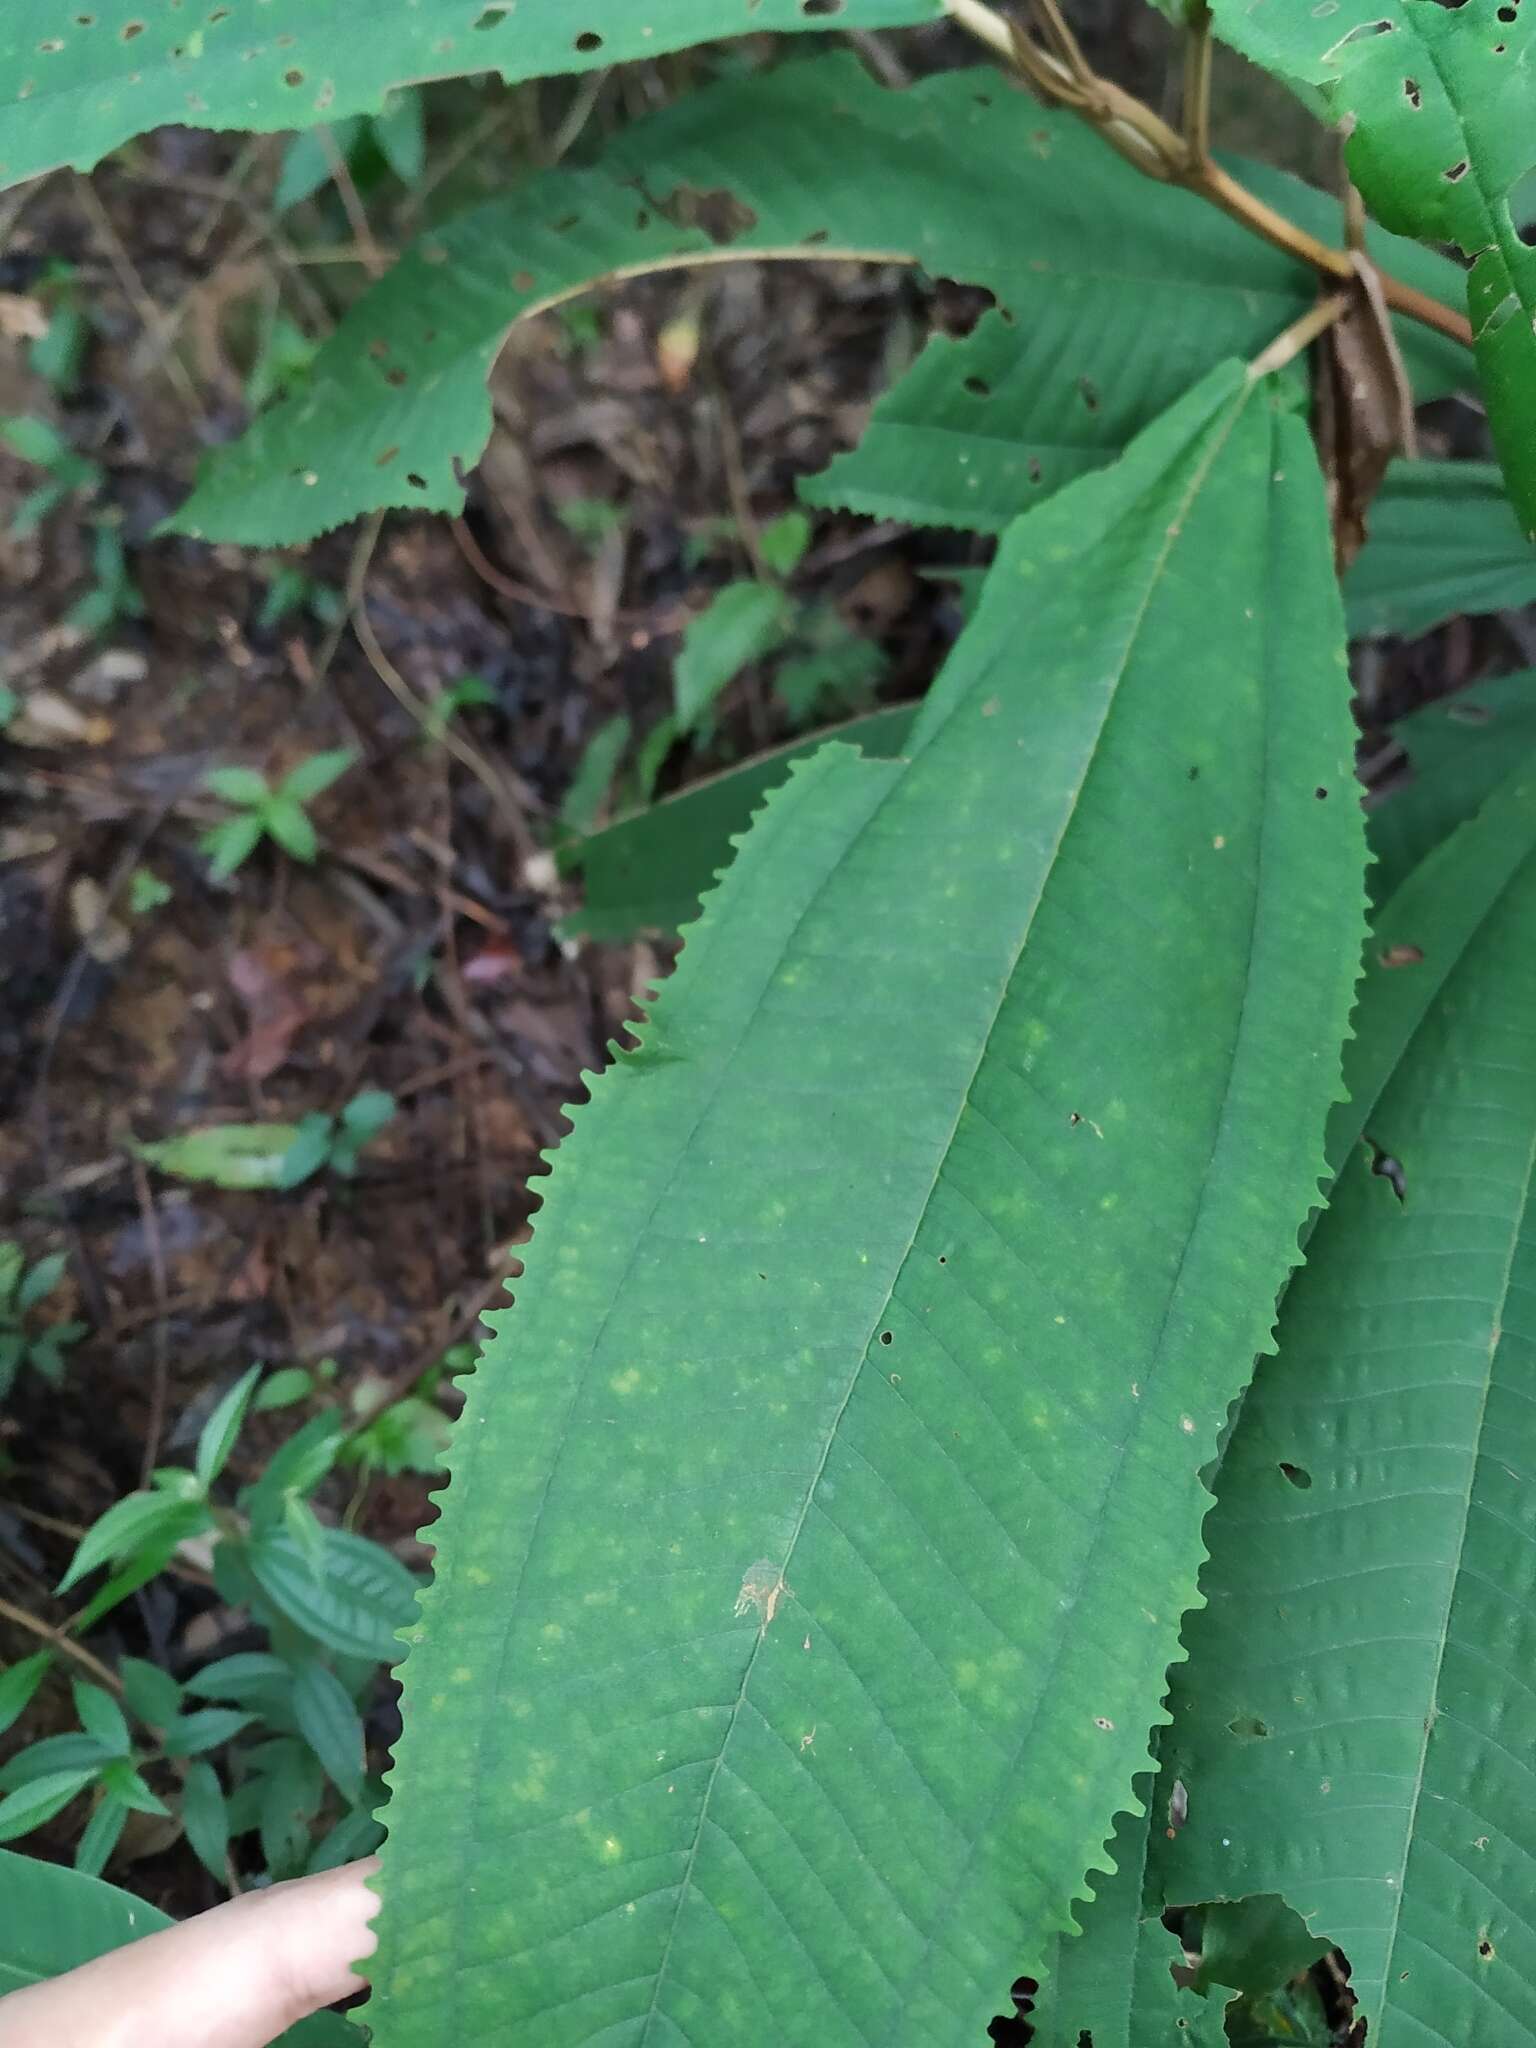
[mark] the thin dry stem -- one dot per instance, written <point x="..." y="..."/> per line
<point x="157" y="324"/>
<point x="736" y="480"/>
<point x="1197" y="84"/>
<point x="160" y="1379"/>
<point x="1058" y="32"/>
<point x="65" y="1645"/>
<point x="1354" y="218"/>
<point x="1301" y="334"/>
<point x="501" y="795"/>
<point x="352" y="204"/>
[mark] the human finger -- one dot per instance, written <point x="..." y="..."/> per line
<point x="234" y="1977"/>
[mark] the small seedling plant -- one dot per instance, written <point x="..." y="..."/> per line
<point x="264" y="1742"/>
<point x="27" y="1341"/>
<point x="42" y="447"/>
<point x="757" y="618"/>
<point x="820" y="665"/>
<point x="280" y="1156"/>
<point x="875" y="1577"/>
<point x="262" y="812"/>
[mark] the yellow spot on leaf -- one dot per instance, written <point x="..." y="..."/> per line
<point x="762" y="1587"/>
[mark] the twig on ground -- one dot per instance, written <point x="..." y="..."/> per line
<point x="159" y="1385"/>
<point x="352" y="205"/>
<point x="496" y="787"/>
<point x="156" y="324"/>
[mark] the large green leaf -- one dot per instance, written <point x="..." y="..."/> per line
<point x="1443" y="541"/>
<point x="822" y="1516"/>
<point x="1104" y="329"/>
<point x="395" y="408"/>
<point x="1355" y="1722"/>
<point x="1438" y="100"/>
<point x="1445" y="904"/>
<point x="78" y="82"/>
<point x="649" y="871"/>
<point x="1459" y="751"/>
<point x="52" y="1920"/>
<point x="957" y="174"/>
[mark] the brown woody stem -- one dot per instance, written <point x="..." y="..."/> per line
<point x="57" y="1640"/>
<point x="1058" y="75"/>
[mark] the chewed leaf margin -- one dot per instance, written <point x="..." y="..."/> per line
<point x="495" y="1320"/>
<point x="80" y="83"/>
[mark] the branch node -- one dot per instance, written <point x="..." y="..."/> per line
<point x="1062" y="76"/>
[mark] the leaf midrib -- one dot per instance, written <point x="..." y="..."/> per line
<point x="1176" y="1279"/>
<point x="1172" y="534"/>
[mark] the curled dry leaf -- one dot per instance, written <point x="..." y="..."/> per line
<point x="275" y="1015"/>
<point x="104" y="936"/>
<point x="21" y="318"/>
<point x="1364" y="409"/>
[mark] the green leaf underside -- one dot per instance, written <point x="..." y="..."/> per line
<point x="52" y="1920"/>
<point x="1101" y="337"/>
<point x="589" y="786"/>
<point x="226" y="1155"/>
<point x="1443" y="541"/>
<point x="822" y="1516"/>
<point x="1354" y="1724"/>
<point x="354" y="1598"/>
<point x="79" y="82"/>
<point x="1445" y="906"/>
<point x="649" y="871"/>
<point x="1459" y="751"/>
<point x="1439" y="101"/>
<point x="1253" y="1945"/>
<point x="1071" y="239"/>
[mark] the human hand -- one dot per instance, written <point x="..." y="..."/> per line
<point x="235" y="1977"/>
